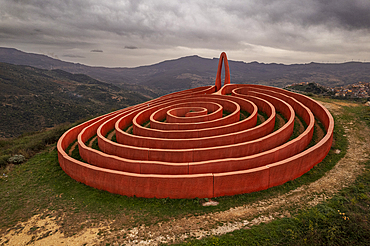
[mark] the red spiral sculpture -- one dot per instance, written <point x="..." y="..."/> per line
<point x="198" y="145"/>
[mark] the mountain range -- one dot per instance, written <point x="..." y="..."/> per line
<point x="193" y="71"/>
<point x="37" y="91"/>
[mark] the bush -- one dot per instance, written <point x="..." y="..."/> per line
<point x="17" y="159"/>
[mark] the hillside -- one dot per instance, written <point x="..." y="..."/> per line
<point x="194" y="71"/>
<point x="32" y="99"/>
<point x="329" y="205"/>
<point x="312" y="88"/>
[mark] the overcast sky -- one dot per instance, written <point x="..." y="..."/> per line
<point x="133" y="33"/>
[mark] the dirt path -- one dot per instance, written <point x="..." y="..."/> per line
<point x="111" y="134"/>
<point x="76" y="143"/>
<point x="343" y="174"/>
<point x="129" y="130"/>
<point x="261" y="118"/>
<point x="37" y="231"/>
<point x="72" y="148"/>
<point x="92" y="141"/>
<point x="281" y="121"/>
<point x="300" y="125"/>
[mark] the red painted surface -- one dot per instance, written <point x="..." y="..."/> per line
<point x="223" y="58"/>
<point x="199" y="151"/>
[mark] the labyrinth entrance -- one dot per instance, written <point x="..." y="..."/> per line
<point x="204" y="142"/>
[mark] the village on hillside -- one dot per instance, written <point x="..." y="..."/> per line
<point x="358" y="90"/>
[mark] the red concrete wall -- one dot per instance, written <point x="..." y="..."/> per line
<point x="176" y="115"/>
<point x="212" y="159"/>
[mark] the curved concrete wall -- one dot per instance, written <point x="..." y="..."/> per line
<point x="205" y="154"/>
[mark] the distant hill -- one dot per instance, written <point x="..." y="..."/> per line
<point x="194" y="71"/>
<point x="32" y="99"/>
<point x="311" y="88"/>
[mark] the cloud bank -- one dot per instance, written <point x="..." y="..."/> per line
<point x="283" y="31"/>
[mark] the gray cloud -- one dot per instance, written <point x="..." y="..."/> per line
<point x="342" y="14"/>
<point x="130" y="47"/>
<point x="98" y="51"/>
<point x="73" y="56"/>
<point x="284" y="30"/>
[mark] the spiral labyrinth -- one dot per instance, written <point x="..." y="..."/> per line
<point x="203" y="142"/>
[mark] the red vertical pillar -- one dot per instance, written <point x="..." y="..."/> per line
<point x="223" y="58"/>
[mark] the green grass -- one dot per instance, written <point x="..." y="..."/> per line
<point x="343" y="220"/>
<point x="264" y="115"/>
<point x="94" y="144"/>
<point x="146" y="124"/>
<point x="296" y="129"/>
<point x="30" y="144"/>
<point x="362" y="113"/>
<point x="126" y="129"/>
<point x="114" y="138"/>
<point x="41" y="184"/>
<point x="37" y="185"/>
<point x="315" y="139"/>
<point x="225" y="113"/>
<point x="75" y="153"/>
<point x="244" y="114"/>
<point x="277" y="121"/>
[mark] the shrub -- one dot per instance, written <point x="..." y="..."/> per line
<point x="16" y="159"/>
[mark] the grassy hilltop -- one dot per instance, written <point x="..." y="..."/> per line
<point x="52" y="206"/>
